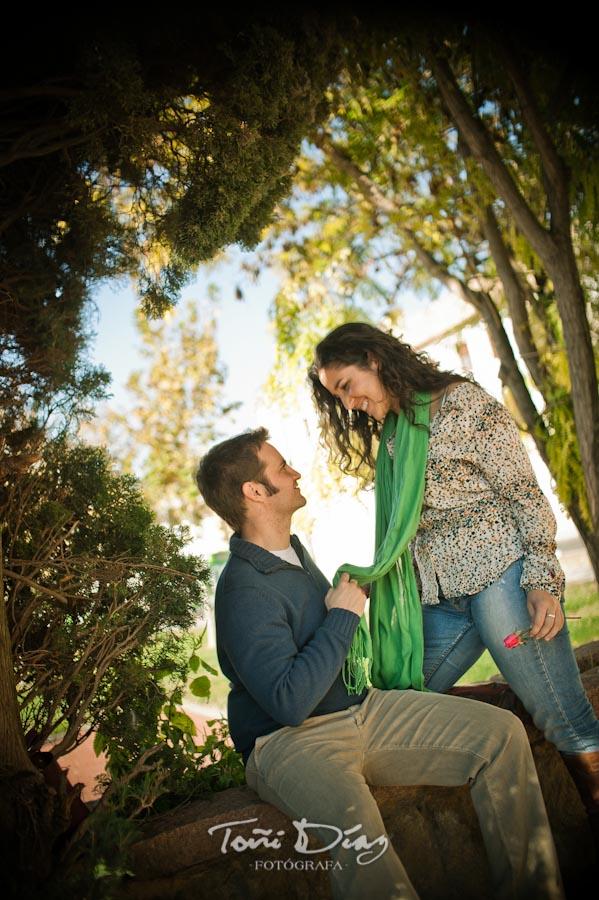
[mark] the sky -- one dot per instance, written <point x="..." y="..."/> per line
<point x="247" y="350"/>
<point x="246" y="345"/>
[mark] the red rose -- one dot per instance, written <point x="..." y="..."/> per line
<point x="512" y="640"/>
<point x="516" y="638"/>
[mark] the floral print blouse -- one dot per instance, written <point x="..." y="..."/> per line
<point x="483" y="507"/>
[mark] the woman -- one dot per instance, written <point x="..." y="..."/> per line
<point x="483" y="540"/>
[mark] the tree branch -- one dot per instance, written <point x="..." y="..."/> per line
<point x="476" y="136"/>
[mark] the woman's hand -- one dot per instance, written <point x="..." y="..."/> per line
<point x="546" y="615"/>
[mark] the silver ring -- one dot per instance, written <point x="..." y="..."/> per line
<point x="550" y="616"/>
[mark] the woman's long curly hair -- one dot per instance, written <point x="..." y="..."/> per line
<point x="351" y="436"/>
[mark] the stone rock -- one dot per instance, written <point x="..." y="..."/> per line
<point x="188" y="855"/>
<point x="587" y="656"/>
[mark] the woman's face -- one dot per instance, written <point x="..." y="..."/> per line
<point x="358" y="388"/>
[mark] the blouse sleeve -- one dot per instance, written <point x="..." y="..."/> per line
<point x="506" y="466"/>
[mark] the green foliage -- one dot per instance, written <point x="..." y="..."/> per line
<point x="219" y="685"/>
<point x="200" y="687"/>
<point x="582" y="600"/>
<point x="96" y="593"/>
<point x="154" y="761"/>
<point x="389" y="202"/>
<point x="99" y="862"/>
<point x="224" y="766"/>
<point x="564" y="458"/>
<point x="102" y="602"/>
<point x="178" y="771"/>
<point x="132" y="153"/>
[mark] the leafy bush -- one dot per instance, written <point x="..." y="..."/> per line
<point x="101" y="600"/>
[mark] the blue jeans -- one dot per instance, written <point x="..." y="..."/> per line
<point x="543" y="674"/>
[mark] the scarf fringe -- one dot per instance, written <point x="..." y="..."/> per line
<point x="357" y="667"/>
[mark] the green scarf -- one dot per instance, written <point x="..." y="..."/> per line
<point x="389" y="652"/>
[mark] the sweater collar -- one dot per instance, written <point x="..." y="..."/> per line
<point x="260" y="558"/>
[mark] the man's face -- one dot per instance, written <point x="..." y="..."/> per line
<point x="281" y="480"/>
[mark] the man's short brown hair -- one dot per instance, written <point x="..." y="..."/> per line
<point x="223" y="471"/>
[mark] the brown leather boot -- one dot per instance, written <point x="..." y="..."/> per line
<point x="584" y="770"/>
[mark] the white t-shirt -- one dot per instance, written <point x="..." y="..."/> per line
<point x="289" y="555"/>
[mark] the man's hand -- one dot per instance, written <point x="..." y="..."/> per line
<point x="546" y="615"/>
<point x="347" y="595"/>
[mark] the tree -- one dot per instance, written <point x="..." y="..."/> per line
<point x="139" y="151"/>
<point x="438" y="166"/>
<point x="128" y="149"/>
<point x="172" y="414"/>
<point x="96" y="596"/>
<point x="135" y="151"/>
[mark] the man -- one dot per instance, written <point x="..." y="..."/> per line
<point x="311" y="748"/>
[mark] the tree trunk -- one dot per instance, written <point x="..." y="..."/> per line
<point x="13" y="752"/>
<point x="553" y="247"/>
<point x="583" y="377"/>
<point x="589" y="537"/>
<point x="31" y="815"/>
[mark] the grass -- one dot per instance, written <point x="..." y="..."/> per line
<point x="581" y="600"/>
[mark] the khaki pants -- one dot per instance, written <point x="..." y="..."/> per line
<point x="321" y="772"/>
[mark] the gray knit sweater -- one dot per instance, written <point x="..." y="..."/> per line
<point x="277" y="643"/>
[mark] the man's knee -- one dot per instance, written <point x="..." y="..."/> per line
<point x="506" y="727"/>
